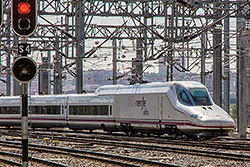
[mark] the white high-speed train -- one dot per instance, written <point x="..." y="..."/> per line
<point x="179" y="107"/>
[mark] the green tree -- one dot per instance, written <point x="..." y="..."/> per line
<point x="233" y="111"/>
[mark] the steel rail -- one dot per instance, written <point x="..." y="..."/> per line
<point x="9" y="162"/>
<point x="211" y="144"/>
<point x="215" y="154"/>
<point x="108" y="158"/>
<point x="30" y="158"/>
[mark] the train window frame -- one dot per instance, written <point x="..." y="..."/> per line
<point x="45" y="109"/>
<point x="180" y="91"/>
<point x="63" y="107"/>
<point x="197" y="102"/>
<point x="110" y="110"/>
<point x="89" y="110"/>
<point x="9" y="110"/>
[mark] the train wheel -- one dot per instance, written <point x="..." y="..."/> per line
<point x="192" y="137"/>
<point x="184" y="137"/>
<point x="174" y="136"/>
<point x="130" y="133"/>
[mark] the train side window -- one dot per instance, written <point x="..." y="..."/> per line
<point x="48" y="110"/>
<point x="36" y="110"/>
<point x="182" y="96"/>
<point x="81" y="110"/>
<point x="51" y="110"/>
<point x="88" y="110"/>
<point x="94" y="110"/>
<point x="102" y="110"/>
<point x="10" y="110"/>
<point x="43" y="110"/>
<point x="185" y="98"/>
<point x="200" y="96"/>
<point x="54" y="109"/>
<point x="16" y="110"/>
<point x="72" y="110"/>
<point x="62" y="109"/>
<point x="110" y="110"/>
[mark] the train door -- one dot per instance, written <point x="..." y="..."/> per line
<point x="167" y="113"/>
<point x="160" y="110"/>
<point x="116" y="111"/>
<point x="66" y="111"/>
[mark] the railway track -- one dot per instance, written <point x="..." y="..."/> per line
<point x="221" y="143"/>
<point x="206" y="148"/>
<point x="112" y="141"/>
<point x="197" y="152"/>
<point x="103" y="157"/>
<point x="38" y="161"/>
<point x="218" y="144"/>
<point x="9" y="162"/>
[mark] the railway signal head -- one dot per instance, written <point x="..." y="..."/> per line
<point x="24" y="17"/>
<point x="24" y="69"/>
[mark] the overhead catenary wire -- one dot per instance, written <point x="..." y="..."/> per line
<point x="195" y="34"/>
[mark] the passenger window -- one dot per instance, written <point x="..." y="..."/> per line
<point x="200" y="96"/>
<point x="10" y="110"/>
<point x="110" y="110"/>
<point x="182" y="96"/>
<point x="88" y="110"/>
<point x="45" y="110"/>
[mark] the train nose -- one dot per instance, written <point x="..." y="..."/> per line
<point x="216" y="116"/>
<point x="227" y="123"/>
<point x="220" y="120"/>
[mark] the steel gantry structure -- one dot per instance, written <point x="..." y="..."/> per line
<point x="177" y="34"/>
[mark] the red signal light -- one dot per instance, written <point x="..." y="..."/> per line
<point x="23" y="7"/>
<point x="24" y="17"/>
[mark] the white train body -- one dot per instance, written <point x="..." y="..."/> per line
<point x="180" y="107"/>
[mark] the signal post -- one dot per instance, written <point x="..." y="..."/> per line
<point x="1" y="12"/>
<point x="24" y="69"/>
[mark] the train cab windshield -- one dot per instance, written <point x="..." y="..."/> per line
<point x="193" y="96"/>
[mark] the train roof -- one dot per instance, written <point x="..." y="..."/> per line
<point x="155" y="87"/>
<point x="9" y="100"/>
<point x="89" y="98"/>
<point x="71" y="98"/>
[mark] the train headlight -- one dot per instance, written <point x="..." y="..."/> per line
<point x="196" y="116"/>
